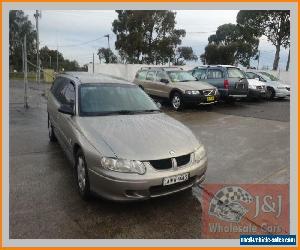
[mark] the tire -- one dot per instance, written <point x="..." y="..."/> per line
<point x="177" y="101"/>
<point x="270" y="93"/>
<point x="51" y="133"/>
<point x="82" y="178"/>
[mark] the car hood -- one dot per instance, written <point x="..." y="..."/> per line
<point x="255" y="82"/>
<point x="193" y="85"/>
<point x="139" y="137"/>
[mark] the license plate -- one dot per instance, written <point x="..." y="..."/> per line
<point x="175" y="179"/>
<point x="210" y="98"/>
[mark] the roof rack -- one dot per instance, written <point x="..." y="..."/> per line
<point x="161" y="68"/>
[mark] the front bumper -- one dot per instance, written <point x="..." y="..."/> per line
<point x="200" y="99"/>
<point x="129" y="187"/>
<point x="282" y="93"/>
<point x="255" y="93"/>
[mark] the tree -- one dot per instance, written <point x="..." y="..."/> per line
<point x="46" y="54"/>
<point x="274" y="24"/>
<point x="218" y="54"/>
<point x="107" y="55"/>
<point x="184" y="54"/>
<point x="146" y="36"/>
<point x="235" y="44"/>
<point x="19" y="25"/>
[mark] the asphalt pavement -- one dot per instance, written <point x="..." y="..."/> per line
<point x="247" y="142"/>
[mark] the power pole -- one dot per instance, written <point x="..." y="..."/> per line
<point x="258" y="59"/>
<point x="93" y="63"/>
<point x="25" y="72"/>
<point x="107" y="40"/>
<point x="37" y="15"/>
<point x="57" y="59"/>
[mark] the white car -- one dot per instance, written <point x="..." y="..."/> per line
<point x="256" y="88"/>
<point x="275" y="88"/>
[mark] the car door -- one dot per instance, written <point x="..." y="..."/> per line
<point x="162" y="84"/>
<point x="54" y="104"/>
<point x="149" y="82"/>
<point x="66" y="122"/>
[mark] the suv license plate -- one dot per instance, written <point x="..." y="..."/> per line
<point x="175" y="179"/>
<point x="210" y="98"/>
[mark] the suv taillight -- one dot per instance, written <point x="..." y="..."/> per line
<point x="226" y="84"/>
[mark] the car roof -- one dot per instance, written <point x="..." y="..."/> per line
<point x="219" y="65"/>
<point x="85" y="77"/>
<point x="161" y="68"/>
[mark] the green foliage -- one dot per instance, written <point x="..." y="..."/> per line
<point x="107" y="55"/>
<point x="65" y="64"/>
<point x="19" y="25"/>
<point x="146" y="36"/>
<point x="184" y="54"/>
<point x="274" y="24"/>
<point x="231" y="45"/>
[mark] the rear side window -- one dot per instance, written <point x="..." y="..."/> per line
<point x="214" y="74"/>
<point x="161" y="75"/>
<point x="141" y="75"/>
<point x="199" y="73"/>
<point x="150" y="76"/>
<point x="235" y="73"/>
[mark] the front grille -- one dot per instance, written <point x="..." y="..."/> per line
<point x="239" y="85"/>
<point x="209" y="92"/>
<point x="162" y="164"/>
<point x="159" y="190"/>
<point x="167" y="163"/>
<point x="183" y="160"/>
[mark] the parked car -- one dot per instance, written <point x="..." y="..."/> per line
<point x="230" y="80"/>
<point x="256" y="88"/>
<point x="175" y="85"/>
<point x="275" y="88"/>
<point x="120" y="143"/>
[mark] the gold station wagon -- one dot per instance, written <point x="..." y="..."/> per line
<point x="176" y="85"/>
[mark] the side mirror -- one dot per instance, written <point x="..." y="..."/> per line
<point x="164" y="80"/>
<point x="66" y="109"/>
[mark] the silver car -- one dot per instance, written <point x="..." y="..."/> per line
<point x="121" y="145"/>
<point x="275" y="88"/>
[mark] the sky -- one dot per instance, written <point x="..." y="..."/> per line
<point x="79" y="33"/>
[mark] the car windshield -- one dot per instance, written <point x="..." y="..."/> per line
<point x="235" y="73"/>
<point x="109" y="99"/>
<point x="181" y="76"/>
<point x="269" y="76"/>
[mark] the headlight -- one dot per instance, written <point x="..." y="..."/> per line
<point x="199" y="153"/>
<point x="124" y="166"/>
<point x="251" y="86"/>
<point x="192" y="92"/>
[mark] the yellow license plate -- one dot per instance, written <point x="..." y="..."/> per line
<point x="210" y="98"/>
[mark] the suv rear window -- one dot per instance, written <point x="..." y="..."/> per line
<point x="235" y="73"/>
